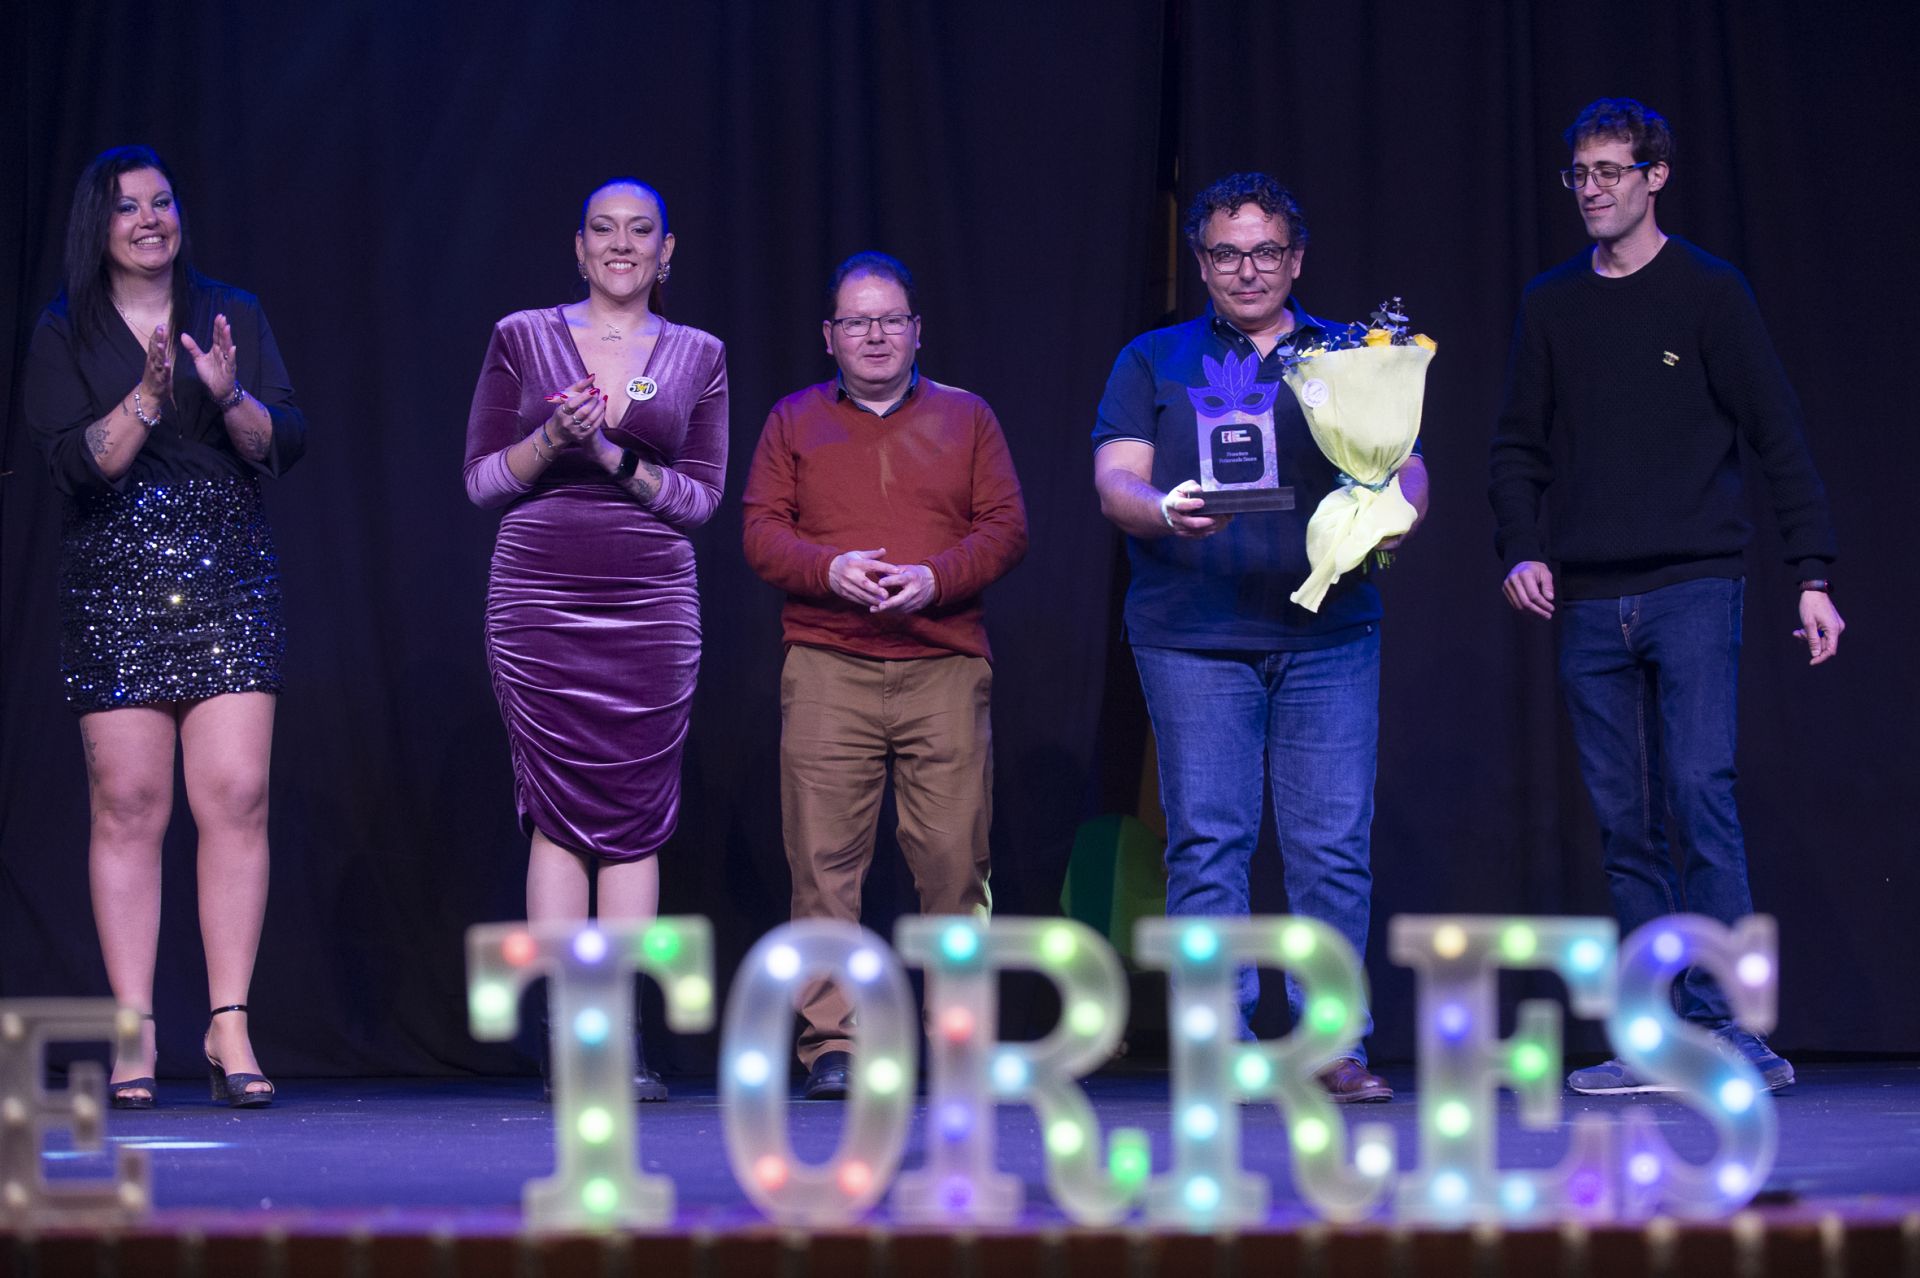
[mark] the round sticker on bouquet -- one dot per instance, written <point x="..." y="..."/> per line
<point x="642" y="389"/>
<point x="1313" y="392"/>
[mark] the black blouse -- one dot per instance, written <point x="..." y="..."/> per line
<point x="71" y="384"/>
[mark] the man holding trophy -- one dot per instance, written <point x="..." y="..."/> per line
<point x="1205" y="459"/>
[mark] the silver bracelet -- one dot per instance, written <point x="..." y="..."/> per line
<point x="144" y="420"/>
<point x="232" y="398"/>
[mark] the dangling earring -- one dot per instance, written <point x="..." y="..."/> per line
<point x="583" y="267"/>
<point x="666" y="269"/>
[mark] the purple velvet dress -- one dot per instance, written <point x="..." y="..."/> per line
<point x="593" y="610"/>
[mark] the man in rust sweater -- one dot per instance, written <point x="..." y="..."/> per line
<point x="882" y="503"/>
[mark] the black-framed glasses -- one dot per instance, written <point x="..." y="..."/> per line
<point x="1266" y="258"/>
<point x="858" y="325"/>
<point x="1603" y="175"/>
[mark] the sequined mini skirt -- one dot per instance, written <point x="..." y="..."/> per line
<point x="168" y="592"/>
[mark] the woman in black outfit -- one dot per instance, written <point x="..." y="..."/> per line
<point x="159" y="398"/>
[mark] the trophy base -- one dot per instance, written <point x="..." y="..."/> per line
<point x="1235" y="501"/>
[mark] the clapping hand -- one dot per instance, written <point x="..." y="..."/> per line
<point x="218" y="366"/>
<point x="156" y="379"/>
<point x="581" y="411"/>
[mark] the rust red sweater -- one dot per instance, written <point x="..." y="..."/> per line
<point x="932" y="482"/>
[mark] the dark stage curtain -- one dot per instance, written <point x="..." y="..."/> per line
<point x="392" y="178"/>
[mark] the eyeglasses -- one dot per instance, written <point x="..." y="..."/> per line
<point x="1266" y="257"/>
<point x="857" y="325"/>
<point x="1603" y="175"/>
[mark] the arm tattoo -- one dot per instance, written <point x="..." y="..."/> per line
<point x="644" y="484"/>
<point x="97" y="441"/>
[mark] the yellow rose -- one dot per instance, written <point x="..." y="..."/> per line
<point x="1421" y="339"/>
<point x="1379" y="337"/>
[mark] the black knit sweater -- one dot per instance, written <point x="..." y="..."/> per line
<point x="1626" y="400"/>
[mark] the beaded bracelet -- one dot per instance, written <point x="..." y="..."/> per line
<point x="232" y="398"/>
<point x="144" y="420"/>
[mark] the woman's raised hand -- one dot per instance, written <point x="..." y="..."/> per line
<point x="156" y="379"/>
<point x="219" y="365"/>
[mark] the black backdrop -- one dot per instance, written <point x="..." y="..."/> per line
<point x="390" y="178"/>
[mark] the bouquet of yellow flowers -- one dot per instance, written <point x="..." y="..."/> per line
<point x="1362" y="393"/>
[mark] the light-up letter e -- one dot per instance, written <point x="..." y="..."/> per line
<point x="27" y="1114"/>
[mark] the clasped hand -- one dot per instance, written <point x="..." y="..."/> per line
<point x="863" y="577"/>
<point x="580" y="412"/>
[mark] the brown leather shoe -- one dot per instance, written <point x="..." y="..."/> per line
<point x="1348" y="1082"/>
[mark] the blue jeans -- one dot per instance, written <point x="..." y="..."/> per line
<point x="1651" y="683"/>
<point x="1228" y="724"/>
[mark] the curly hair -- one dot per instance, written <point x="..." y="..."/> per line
<point x="1236" y="189"/>
<point x="1624" y="120"/>
<point x="884" y="265"/>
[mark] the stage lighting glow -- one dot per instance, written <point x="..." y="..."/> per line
<point x="1530" y="1061"/>
<point x="518" y="949"/>
<point x="1057" y="945"/>
<point x="1328" y="1014"/>
<point x="856" y="1178"/>
<point x="1199" y="942"/>
<point x="956" y="1120"/>
<point x="595" y="1125"/>
<point x="1452" y="1118"/>
<point x="1199" y="1022"/>
<point x="1253" y="1071"/>
<point x="1373" y="1158"/>
<point x="956" y="1024"/>
<point x="599" y="1195"/>
<point x="1644" y="1033"/>
<point x="1311" y="1136"/>
<point x="1202" y="1122"/>
<point x="1754" y="969"/>
<point x="1586" y="956"/>
<point x="1519" y="942"/>
<point x="752" y="1068"/>
<point x="1668" y="947"/>
<point x="590" y="945"/>
<point x="1450" y="941"/>
<point x="1450" y="1189"/>
<point x="959" y="943"/>
<point x="1009" y="1072"/>
<point x="864" y="965"/>
<point x="1734" y="1180"/>
<point x="1127" y="1159"/>
<point x="1736" y="1095"/>
<point x="662" y="942"/>
<point x="884" y="1075"/>
<point x="770" y="1170"/>
<point x="1451" y="1020"/>
<point x="1296" y="942"/>
<point x="1202" y="1194"/>
<point x="783" y="962"/>
<point x="1087" y="1017"/>
<point x="591" y="1026"/>
<point x="1066" y="1138"/>
<point x="957" y="1192"/>
<point x="1644" y="1168"/>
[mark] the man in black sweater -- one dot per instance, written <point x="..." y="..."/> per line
<point x="1637" y="367"/>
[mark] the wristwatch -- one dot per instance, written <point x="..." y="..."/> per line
<point x="629" y="462"/>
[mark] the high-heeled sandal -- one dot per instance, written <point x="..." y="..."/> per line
<point x="232" y="1088"/>
<point x="120" y="1095"/>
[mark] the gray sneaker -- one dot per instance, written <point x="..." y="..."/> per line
<point x="1612" y="1078"/>
<point x="1773" y="1067"/>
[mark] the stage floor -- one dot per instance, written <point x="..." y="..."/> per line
<point x="428" y="1156"/>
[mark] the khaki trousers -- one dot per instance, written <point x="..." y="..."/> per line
<point x="841" y="719"/>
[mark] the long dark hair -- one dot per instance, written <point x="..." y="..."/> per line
<point x="89" y="290"/>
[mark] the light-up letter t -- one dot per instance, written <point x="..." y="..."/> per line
<point x="27" y="1114"/>
<point x="1462" y="1062"/>
<point x="1213" y="1070"/>
<point x="589" y="969"/>
<point x="971" y="1069"/>
<point x="758" y="1042"/>
<point x="1711" y="1075"/>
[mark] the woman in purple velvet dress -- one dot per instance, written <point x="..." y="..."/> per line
<point x="602" y="428"/>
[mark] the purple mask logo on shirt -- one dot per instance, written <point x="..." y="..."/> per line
<point x="1232" y="385"/>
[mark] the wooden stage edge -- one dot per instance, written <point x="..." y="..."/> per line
<point x="1754" y="1244"/>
